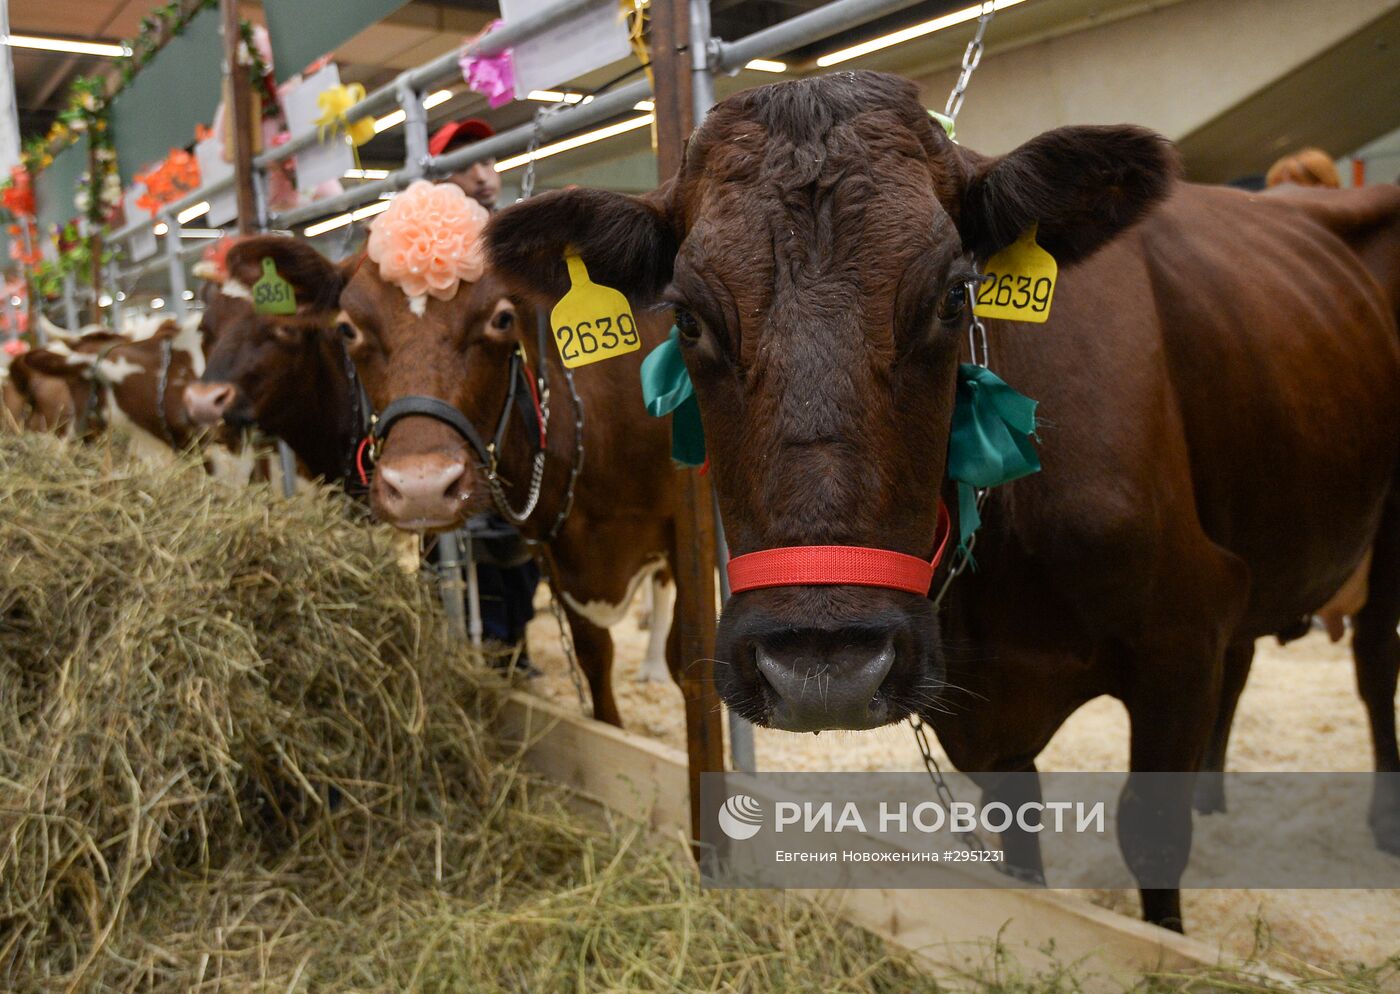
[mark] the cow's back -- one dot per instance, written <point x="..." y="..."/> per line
<point x="1231" y="359"/>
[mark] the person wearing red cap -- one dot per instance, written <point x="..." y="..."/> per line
<point x="480" y="181"/>
<point x="506" y="573"/>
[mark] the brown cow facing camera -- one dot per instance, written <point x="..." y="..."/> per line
<point x="1219" y="382"/>
<point x="286" y="375"/>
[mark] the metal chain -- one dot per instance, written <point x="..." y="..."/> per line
<point x="527" y="182"/>
<point x="940" y="785"/>
<point x="981" y="356"/>
<point x="577" y="466"/>
<point x="566" y="638"/>
<point x="972" y="58"/>
<point x="498" y="493"/>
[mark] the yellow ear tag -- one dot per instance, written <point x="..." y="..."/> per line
<point x="271" y="293"/>
<point x="1020" y="282"/>
<point x="592" y="323"/>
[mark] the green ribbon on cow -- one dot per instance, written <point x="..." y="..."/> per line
<point x="666" y="389"/>
<point x="991" y="440"/>
<point x="990" y="443"/>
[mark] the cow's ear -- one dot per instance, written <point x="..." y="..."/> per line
<point x="1082" y="186"/>
<point x="315" y="280"/>
<point x="626" y="242"/>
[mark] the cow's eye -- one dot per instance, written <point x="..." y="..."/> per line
<point x="350" y="334"/>
<point x="503" y="320"/>
<point x="688" y="326"/>
<point x="954" y="302"/>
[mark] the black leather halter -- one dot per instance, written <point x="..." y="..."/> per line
<point x="520" y="395"/>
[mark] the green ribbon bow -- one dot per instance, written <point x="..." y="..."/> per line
<point x="666" y="389"/>
<point x="991" y="440"/>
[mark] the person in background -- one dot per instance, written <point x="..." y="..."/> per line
<point x="480" y="181"/>
<point x="1306" y="167"/>
<point x="506" y="572"/>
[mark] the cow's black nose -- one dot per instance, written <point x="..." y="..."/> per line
<point x="839" y="686"/>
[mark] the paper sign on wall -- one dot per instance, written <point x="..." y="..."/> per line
<point x="322" y="161"/>
<point x="141" y="245"/>
<point x="223" y="207"/>
<point x="578" y="44"/>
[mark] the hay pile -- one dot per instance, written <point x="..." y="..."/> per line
<point x="239" y="753"/>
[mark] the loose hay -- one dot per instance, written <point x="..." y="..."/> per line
<point x="238" y="752"/>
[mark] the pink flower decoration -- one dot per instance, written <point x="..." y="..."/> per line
<point x="493" y="76"/>
<point x="429" y="240"/>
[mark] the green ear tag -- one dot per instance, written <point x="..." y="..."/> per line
<point x="271" y="293"/>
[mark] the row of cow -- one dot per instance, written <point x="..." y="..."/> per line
<point x="1219" y="381"/>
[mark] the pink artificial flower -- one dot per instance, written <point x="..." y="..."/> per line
<point x="429" y="240"/>
<point x="493" y="76"/>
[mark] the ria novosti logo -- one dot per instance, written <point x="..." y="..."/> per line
<point x="741" y="817"/>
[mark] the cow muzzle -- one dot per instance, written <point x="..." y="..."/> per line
<point x="421" y="492"/>
<point x="206" y="403"/>
<point x="819" y="637"/>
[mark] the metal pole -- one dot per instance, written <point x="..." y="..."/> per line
<point x="415" y="128"/>
<point x="804" y="29"/>
<point x="175" y="266"/>
<point x="13" y="317"/>
<point x="702" y="80"/>
<point x="118" y="314"/>
<point x="474" y="626"/>
<point x="702" y="48"/>
<point x="741" y="749"/>
<point x="450" y="582"/>
<point x="70" y="303"/>
<point x="288" y="461"/>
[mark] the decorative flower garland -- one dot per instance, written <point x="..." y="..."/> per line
<point x="99" y="193"/>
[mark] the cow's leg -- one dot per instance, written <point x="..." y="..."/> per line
<point x="1210" y="786"/>
<point x="594" y="648"/>
<point x="663" y="600"/>
<point x="1021" y="849"/>
<point x="1376" y="650"/>
<point x="1171" y="707"/>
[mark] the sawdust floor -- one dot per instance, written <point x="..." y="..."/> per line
<point x="1299" y="712"/>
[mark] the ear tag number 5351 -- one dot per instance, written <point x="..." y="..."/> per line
<point x="271" y="293"/>
<point x="591" y="322"/>
<point x="1020" y="282"/>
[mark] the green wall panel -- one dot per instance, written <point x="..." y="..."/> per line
<point x="304" y="30"/>
<point x="56" y="186"/>
<point x="176" y="90"/>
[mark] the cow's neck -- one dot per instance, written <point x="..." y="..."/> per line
<point x="322" y="432"/>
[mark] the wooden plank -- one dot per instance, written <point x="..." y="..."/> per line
<point x="694" y="564"/>
<point x="646" y="781"/>
<point x="239" y="90"/>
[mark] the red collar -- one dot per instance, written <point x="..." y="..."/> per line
<point x="856" y="565"/>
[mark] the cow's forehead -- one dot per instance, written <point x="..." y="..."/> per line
<point x="369" y="299"/>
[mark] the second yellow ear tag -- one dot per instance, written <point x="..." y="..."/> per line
<point x="592" y="323"/>
<point x="1020" y="282"/>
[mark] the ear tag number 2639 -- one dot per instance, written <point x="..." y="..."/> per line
<point x="591" y="322"/>
<point x="1020" y="282"/>
<point x="271" y="293"/>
